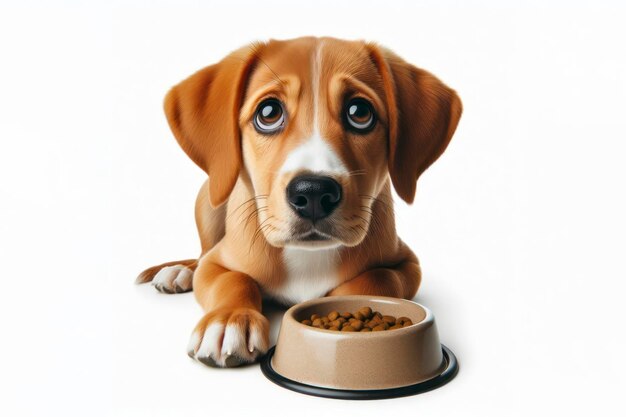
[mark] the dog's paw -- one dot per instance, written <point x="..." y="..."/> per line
<point x="173" y="279"/>
<point x="229" y="338"/>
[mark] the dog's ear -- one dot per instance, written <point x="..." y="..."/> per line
<point x="423" y="115"/>
<point x="203" y="113"/>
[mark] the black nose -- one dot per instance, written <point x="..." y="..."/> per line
<point x="313" y="197"/>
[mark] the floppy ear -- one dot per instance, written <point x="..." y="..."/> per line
<point x="423" y="115"/>
<point x="203" y="113"/>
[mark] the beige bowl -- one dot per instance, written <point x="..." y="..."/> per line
<point x="359" y="365"/>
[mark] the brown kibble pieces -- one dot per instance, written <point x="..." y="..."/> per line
<point x="375" y="320"/>
<point x="366" y="312"/>
<point x="363" y="320"/>
<point x="336" y="323"/>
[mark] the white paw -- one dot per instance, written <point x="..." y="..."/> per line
<point x="173" y="279"/>
<point x="229" y="338"/>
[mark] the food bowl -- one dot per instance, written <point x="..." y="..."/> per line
<point x="359" y="365"/>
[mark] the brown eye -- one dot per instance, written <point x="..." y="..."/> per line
<point x="360" y="115"/>
<point x="269" y="117"/>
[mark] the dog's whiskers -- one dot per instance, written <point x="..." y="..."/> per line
<point x="254" y="214"/>
<point x="260" y="230"/>
<point x="376" y="226"/>
<point x="356" y="172"/>
<point x="387" y="205"/>
<point x="253" y="199"/>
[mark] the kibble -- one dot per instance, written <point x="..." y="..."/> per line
<point x="363" y="320"/>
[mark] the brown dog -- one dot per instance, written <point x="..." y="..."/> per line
<point x="301" y="140"/>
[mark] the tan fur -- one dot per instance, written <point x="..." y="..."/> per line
<point x="243" y="240"/>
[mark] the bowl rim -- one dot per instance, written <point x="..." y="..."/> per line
<point x="426" y="321"/>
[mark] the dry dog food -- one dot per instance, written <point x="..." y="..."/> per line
<point x="364" y="320"/>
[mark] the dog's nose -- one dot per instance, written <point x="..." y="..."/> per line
<point x="313" y="197"/>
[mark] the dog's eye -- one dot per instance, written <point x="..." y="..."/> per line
<point x="360" y="115"/>
<point x="269" y="117"/>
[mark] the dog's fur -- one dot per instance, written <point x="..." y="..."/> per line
<point x="250" y="236"/>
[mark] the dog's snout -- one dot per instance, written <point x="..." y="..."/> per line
<point x="313" y="197"/>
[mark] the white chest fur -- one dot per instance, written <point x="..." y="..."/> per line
<point x="310" y="274"/>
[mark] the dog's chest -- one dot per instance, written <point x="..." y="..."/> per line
<point x="308" y="274"/>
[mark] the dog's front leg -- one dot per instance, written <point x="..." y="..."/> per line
<point x="233" y="331"/>
<point x="400" y="280"/>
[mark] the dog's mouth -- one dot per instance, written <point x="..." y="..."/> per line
<point x="314" y="239"/>
<point x="313" y="236"/>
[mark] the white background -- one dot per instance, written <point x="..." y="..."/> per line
<point x="519" y="226"/>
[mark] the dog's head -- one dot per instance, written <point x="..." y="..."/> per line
<point x="314" y="126"/>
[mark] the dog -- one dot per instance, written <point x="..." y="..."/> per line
<point x="302" y="141"/>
